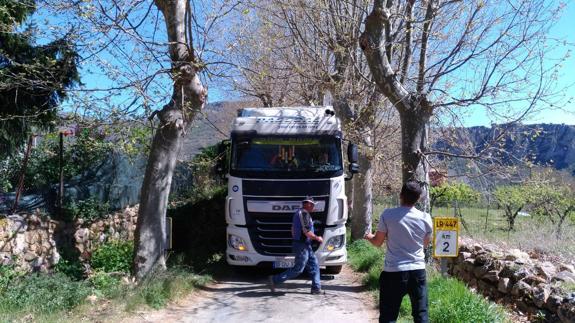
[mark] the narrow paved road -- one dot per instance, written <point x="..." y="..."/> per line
<point x="246" y="298"/>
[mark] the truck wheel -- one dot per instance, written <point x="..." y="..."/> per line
<point x="332" y="270"/>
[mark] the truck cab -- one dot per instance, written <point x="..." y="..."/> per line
<point x="277" y="157"/>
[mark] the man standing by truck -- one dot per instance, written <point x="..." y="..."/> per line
<point x="407" y="231"/>
<point x="302" y="234"/>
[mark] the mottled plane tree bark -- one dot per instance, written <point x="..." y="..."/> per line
<point x="188" y="98"/>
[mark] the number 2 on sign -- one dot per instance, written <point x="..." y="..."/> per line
<point x="445" y="244"/>
<point x="445" y="234"/>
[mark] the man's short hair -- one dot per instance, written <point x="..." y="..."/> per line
<point x="410" y="192"/>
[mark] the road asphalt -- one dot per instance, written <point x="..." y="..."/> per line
<point x="245" y="297"/>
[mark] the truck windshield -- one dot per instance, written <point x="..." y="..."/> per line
<point x="306" y="156"/>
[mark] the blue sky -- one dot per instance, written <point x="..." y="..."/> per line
<point x="93" y="78"/>
<point x="565" y="29"/>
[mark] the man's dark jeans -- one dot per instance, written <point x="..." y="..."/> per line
<point x="304" y="259"/>
<point x="394" y="285"/>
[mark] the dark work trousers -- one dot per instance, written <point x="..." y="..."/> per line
<point x="305" y="259"/>
<point x="393" y="286"/>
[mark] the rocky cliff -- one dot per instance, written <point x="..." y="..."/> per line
<point x="548" y="145"/>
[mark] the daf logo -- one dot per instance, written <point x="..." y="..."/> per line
<point x="285" y="207"/>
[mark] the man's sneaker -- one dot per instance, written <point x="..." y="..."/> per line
<point x="271" y="284"/>
<point x="316" y="291"/>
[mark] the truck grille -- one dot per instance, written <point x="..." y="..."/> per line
<point x="270" y="233"/>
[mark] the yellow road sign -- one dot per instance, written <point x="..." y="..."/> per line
<point x="445" y="237"/>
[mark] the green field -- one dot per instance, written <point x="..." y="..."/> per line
<point x="531" y="233"/>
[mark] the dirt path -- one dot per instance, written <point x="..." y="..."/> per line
<point x="246" y="298"/>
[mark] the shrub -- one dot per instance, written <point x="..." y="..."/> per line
<point x="106" y="284"/>
<point x="196" y="180"/>
<point x="70" y="267"/>
<point x="85" y="151"/>
<point x="89" y="209"/>
<point x="7" y="275"/>
<point x="41" y="293"/>
<point x="113" y="256"/>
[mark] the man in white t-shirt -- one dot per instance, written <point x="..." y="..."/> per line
<point x="407" y="232"/>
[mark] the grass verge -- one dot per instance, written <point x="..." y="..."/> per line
<point x="449" y="299"/>
<point x="59" y="298"/>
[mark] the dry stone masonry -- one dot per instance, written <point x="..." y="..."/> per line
<point x="535" y="286"/>
<point x="33" y="242"/>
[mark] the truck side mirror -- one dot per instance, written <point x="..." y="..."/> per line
<point x="352" y="157"/>
<point x="222" y="158"/>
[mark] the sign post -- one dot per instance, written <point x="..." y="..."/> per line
<point x="445" y="239"/>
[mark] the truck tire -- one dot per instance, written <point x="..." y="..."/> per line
<point x="332" y="270"/>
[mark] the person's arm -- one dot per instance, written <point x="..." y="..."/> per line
<point x="376" y="239"/>
<point x="306" y="229"/>
<point x="428" y="231"/>
<point x="312" y="236"/>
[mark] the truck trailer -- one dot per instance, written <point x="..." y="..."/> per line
<point x="277" y="157"/>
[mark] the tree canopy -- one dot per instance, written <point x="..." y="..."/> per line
<point x="33" y="78"/>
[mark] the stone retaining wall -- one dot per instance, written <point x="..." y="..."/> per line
<point x="33" y="242"/>
<point x="535" y="286"/>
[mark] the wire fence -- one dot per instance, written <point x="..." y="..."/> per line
<point x="487" y="221"/>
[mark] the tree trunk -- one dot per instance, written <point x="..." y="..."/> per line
<point x="188" y="97"/>
<point x="413" y="107"/>
<point x="359" y="190"/>
<point x="150" y="236"/>
<point x="413" y="146"/>
<point x="362" y="200"/>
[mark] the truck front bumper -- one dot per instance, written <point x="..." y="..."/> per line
<point x="250" y="257"/>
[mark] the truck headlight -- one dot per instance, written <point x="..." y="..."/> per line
<point x="237" y="243"/>
<point x="335" y="243"/>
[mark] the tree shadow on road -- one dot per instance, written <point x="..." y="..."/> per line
<point x="253" y="283"/>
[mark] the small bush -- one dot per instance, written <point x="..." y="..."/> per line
<point x="41" y="293"/>
<point x="89" y="209"/>
<point x="70" y="267"/>
<point x="8" y="274"/>
<point x="106" y="284"/>
<point x="114" y="256"/>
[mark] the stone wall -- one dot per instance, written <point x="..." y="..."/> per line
<point x="33" y="242"/>
<point x="534" y="285"/>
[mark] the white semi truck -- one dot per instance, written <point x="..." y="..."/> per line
<point x="277" y="157"/>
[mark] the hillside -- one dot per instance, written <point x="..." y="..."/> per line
<point x="212" y="126"/>
<point x="545" y="145"/>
